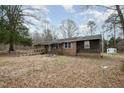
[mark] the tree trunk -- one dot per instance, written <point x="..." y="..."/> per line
<point x="11" y="46"/>
<point x="120" y="14"/>
<point x="114" y="37"/>
<point x="11" y="43"/>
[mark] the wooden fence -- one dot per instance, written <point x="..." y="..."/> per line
<point x="30" y="52"/>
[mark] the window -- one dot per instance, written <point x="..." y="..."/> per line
<point x="67" y="45"/>
<point x="55" y="46"/>
<point x="86" y="44"/>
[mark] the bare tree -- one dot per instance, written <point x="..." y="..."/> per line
<point x="121" y="16"/>
<point x="69" y="28"/>
<point x="36" y="37"/>
<point x="116" y="8"/>
<point x="111" y="23"/>
<point x="92" y="26"/>
<point x="49" y="31"/>
<point x="119" y="20"/>
<point x="47" y="35"/>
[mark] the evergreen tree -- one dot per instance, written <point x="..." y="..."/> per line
<point x="12" y="29"/>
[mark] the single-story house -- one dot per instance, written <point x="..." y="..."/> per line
<point x="73" y="46"/>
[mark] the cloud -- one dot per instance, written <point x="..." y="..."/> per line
<point x="47" y="18"/>
<point x="40" y="12"/>
<point x="41" y="8"/>
<point x="89" y="19"/>
<point x="83" y="30"/>
<point x="69" y="8"/>
<point x="37" y="10"/>
<point x="94" y="14"/>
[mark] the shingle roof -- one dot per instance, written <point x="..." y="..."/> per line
<point x="71" y="39"/>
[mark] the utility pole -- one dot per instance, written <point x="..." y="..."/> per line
<point x="103" y="41"/>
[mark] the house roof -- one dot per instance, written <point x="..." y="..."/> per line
<point x="73" y="39"/>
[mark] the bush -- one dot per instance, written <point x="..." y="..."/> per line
<point x="122" y="67"/>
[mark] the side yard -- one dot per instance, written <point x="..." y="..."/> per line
<point x="61" y="71"/>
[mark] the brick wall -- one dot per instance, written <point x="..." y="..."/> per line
<point x="70" y="51"/>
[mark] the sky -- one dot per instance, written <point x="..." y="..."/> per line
<point x="80" y="14"/>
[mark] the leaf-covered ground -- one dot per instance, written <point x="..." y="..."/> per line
<point x="61" y="71"/>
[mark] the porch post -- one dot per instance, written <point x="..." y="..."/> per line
<point x="49" y="48"/>
<point x="102" y="42"/>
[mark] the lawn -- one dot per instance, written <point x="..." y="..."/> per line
<point x="61" y="71"/>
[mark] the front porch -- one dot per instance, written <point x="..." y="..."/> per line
<point x="91" y="46"/>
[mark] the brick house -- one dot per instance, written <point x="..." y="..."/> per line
<point x="73" y="46"/>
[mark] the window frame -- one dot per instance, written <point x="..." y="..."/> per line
<point x="67" y="45"/>
<point x="87" y="44"/>
<point x="55" y="46"/>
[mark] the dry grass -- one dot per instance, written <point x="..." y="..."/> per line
<point x="61" y="71"/>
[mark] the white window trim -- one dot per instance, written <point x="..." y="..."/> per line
<point x="85" y="45"/>
<point x="68" y="45"/>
